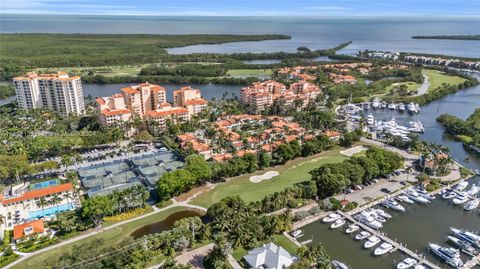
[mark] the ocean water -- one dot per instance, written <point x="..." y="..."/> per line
<point x="391" y="34"/>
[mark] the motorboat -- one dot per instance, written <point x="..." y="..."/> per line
<point x="371" y="241"/>
<point x="331" y="217"/>
<point x="369" y="220"/>
<point x="461" y="186"/>
<point x="449" y="195"/>
<point x="352" y="228"/>
<point x="401" y="107"/>
<point x="416" y="127"/>
<point x="362" y="235"/>
<point x="461" y="198"/>
<point x="424" y="194"/>
<point x="384" y="248"/>
<point x="416" y="197"/>
<point x="473" y="190"/>
<point x="470" y="237"/>
<point x="472" y="204"/>
<point x="450" y="255"/>
<point x="296" y="233"/>
<point x="466" y="247"/>
<point x="383" y="214"/>
<point x="405" y="199"/>
<point x="370" y="119"/>
<point x="392" y="106"/>
<point x="339" y="265"/>
<point x="383" y="104"/>
<point x="419" y="266"/>
<point x="337" y="223"/>
<point x="375" y="103"/>
<point x="407" y="263"/>
<point x="411" y="108"/>
<point x="366" y="106"/>
<point x="392" y="204"/>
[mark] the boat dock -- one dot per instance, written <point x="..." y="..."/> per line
<point x="472" y="262"/>
<point x="396" y="245"/>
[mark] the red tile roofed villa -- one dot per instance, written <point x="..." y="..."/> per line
<point x="28" y="229"/>
<point x="332" y="134"/>
<point x="21" y="204"/>
<point x="222" y="157"/>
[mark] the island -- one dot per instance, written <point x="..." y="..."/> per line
<point x="451" y="37"/>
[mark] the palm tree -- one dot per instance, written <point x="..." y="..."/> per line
<point x="68" y="196"/>
<point x="56" y="200"/>
<point x="42" y="202"/>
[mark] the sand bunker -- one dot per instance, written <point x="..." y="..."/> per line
<point x="265" y="176"/>
<point x="352" y="151"/>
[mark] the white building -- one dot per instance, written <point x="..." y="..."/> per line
<point x="269" y="256"/>
<point x="57" y="92"/>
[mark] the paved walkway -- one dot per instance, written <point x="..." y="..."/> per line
<point x="94" y="232"/>
<point x="194" y="257"/>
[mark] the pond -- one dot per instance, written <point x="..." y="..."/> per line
<point x="165" y="224"/>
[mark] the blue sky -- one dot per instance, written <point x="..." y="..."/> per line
<point x="434" y="8"/>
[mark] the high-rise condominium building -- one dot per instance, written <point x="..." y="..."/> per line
<point x="57" y="92"/>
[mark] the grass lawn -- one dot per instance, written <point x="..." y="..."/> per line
<point x="437" y="78"/>
<point x="292" y="172"/>
<point x="411" y="86"/>
<point x="249" y="72"/>
<point x="110" y="237"/>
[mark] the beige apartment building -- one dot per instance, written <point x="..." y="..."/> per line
<point x="57" y="92"/>
<point x="149" y="102"/>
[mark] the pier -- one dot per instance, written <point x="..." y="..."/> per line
<point x="396" y="245"/>
<point x="472" y="262"/>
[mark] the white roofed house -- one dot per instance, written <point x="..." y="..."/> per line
<point x="269" y="256"/>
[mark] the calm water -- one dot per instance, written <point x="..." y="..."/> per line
<point x="164" y="224"/>
<point x="419" y="224"/>
<point x="315" y="33"/>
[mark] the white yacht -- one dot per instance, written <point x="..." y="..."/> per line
<point x="416" y="197"/>
<point x="411" y="108"/>
<point x="419" y="266"/>
<point x="375" y="103"/>
<point x="369" y="220"/>
<point x="473" y="190"/>
<point x="384" y="248"/>
<point x="383" y="214"/>
<point x="296" y="233"/>
<point x="392" y="106"/>
<point x="383" y="104"/>
<point x="449" y="195"/>
<point x="416" y="127"/>
<point x="371" y="241"/>
<point x="390" y="203"/>
<point x="472" y="204"/>
<point x="370" y="120"/>
<point x="450" y="255"/>
<point x="417" y="108"/>
<point x="339" y="265"/>
<point x="424" y="193"/>
<point x="407" y="263"/>
<point x="405" y="199"/>
<point x="466" y="247"/>
<point x="470" y="237"/>
<point x="352" y="228"/>
<point x="337" y="223"/>
<point x="461" y="186"/>
<point x="331" y="217"/>
<point x="362" y="235"/>
<point x="401" y="107"/>
<point x="461" y="198"/>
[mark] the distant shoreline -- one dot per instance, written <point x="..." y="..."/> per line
<point x="449" y="37"/>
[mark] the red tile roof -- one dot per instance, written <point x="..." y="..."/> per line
<point x="196" y="102"/>
<point x="157" y="113"/>
<point x="39" y="193"/>
<point x="19" y="230"/>
<point x="108" y="112"/>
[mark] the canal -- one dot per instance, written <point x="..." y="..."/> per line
<point x="420" y="224"/>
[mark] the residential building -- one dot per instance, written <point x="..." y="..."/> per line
<point x="19" y="203"/>
<point x="149" y="102"/>
<point x="57" y="92"/>
<point x="260" y="95"/>
<point x="28" y="229"/>
<point x="189" y="98"/>
<point x="269" y="256"/>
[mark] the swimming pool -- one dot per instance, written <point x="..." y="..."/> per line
<point x="50" y="211"/>
<point x="44" y="184"/>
